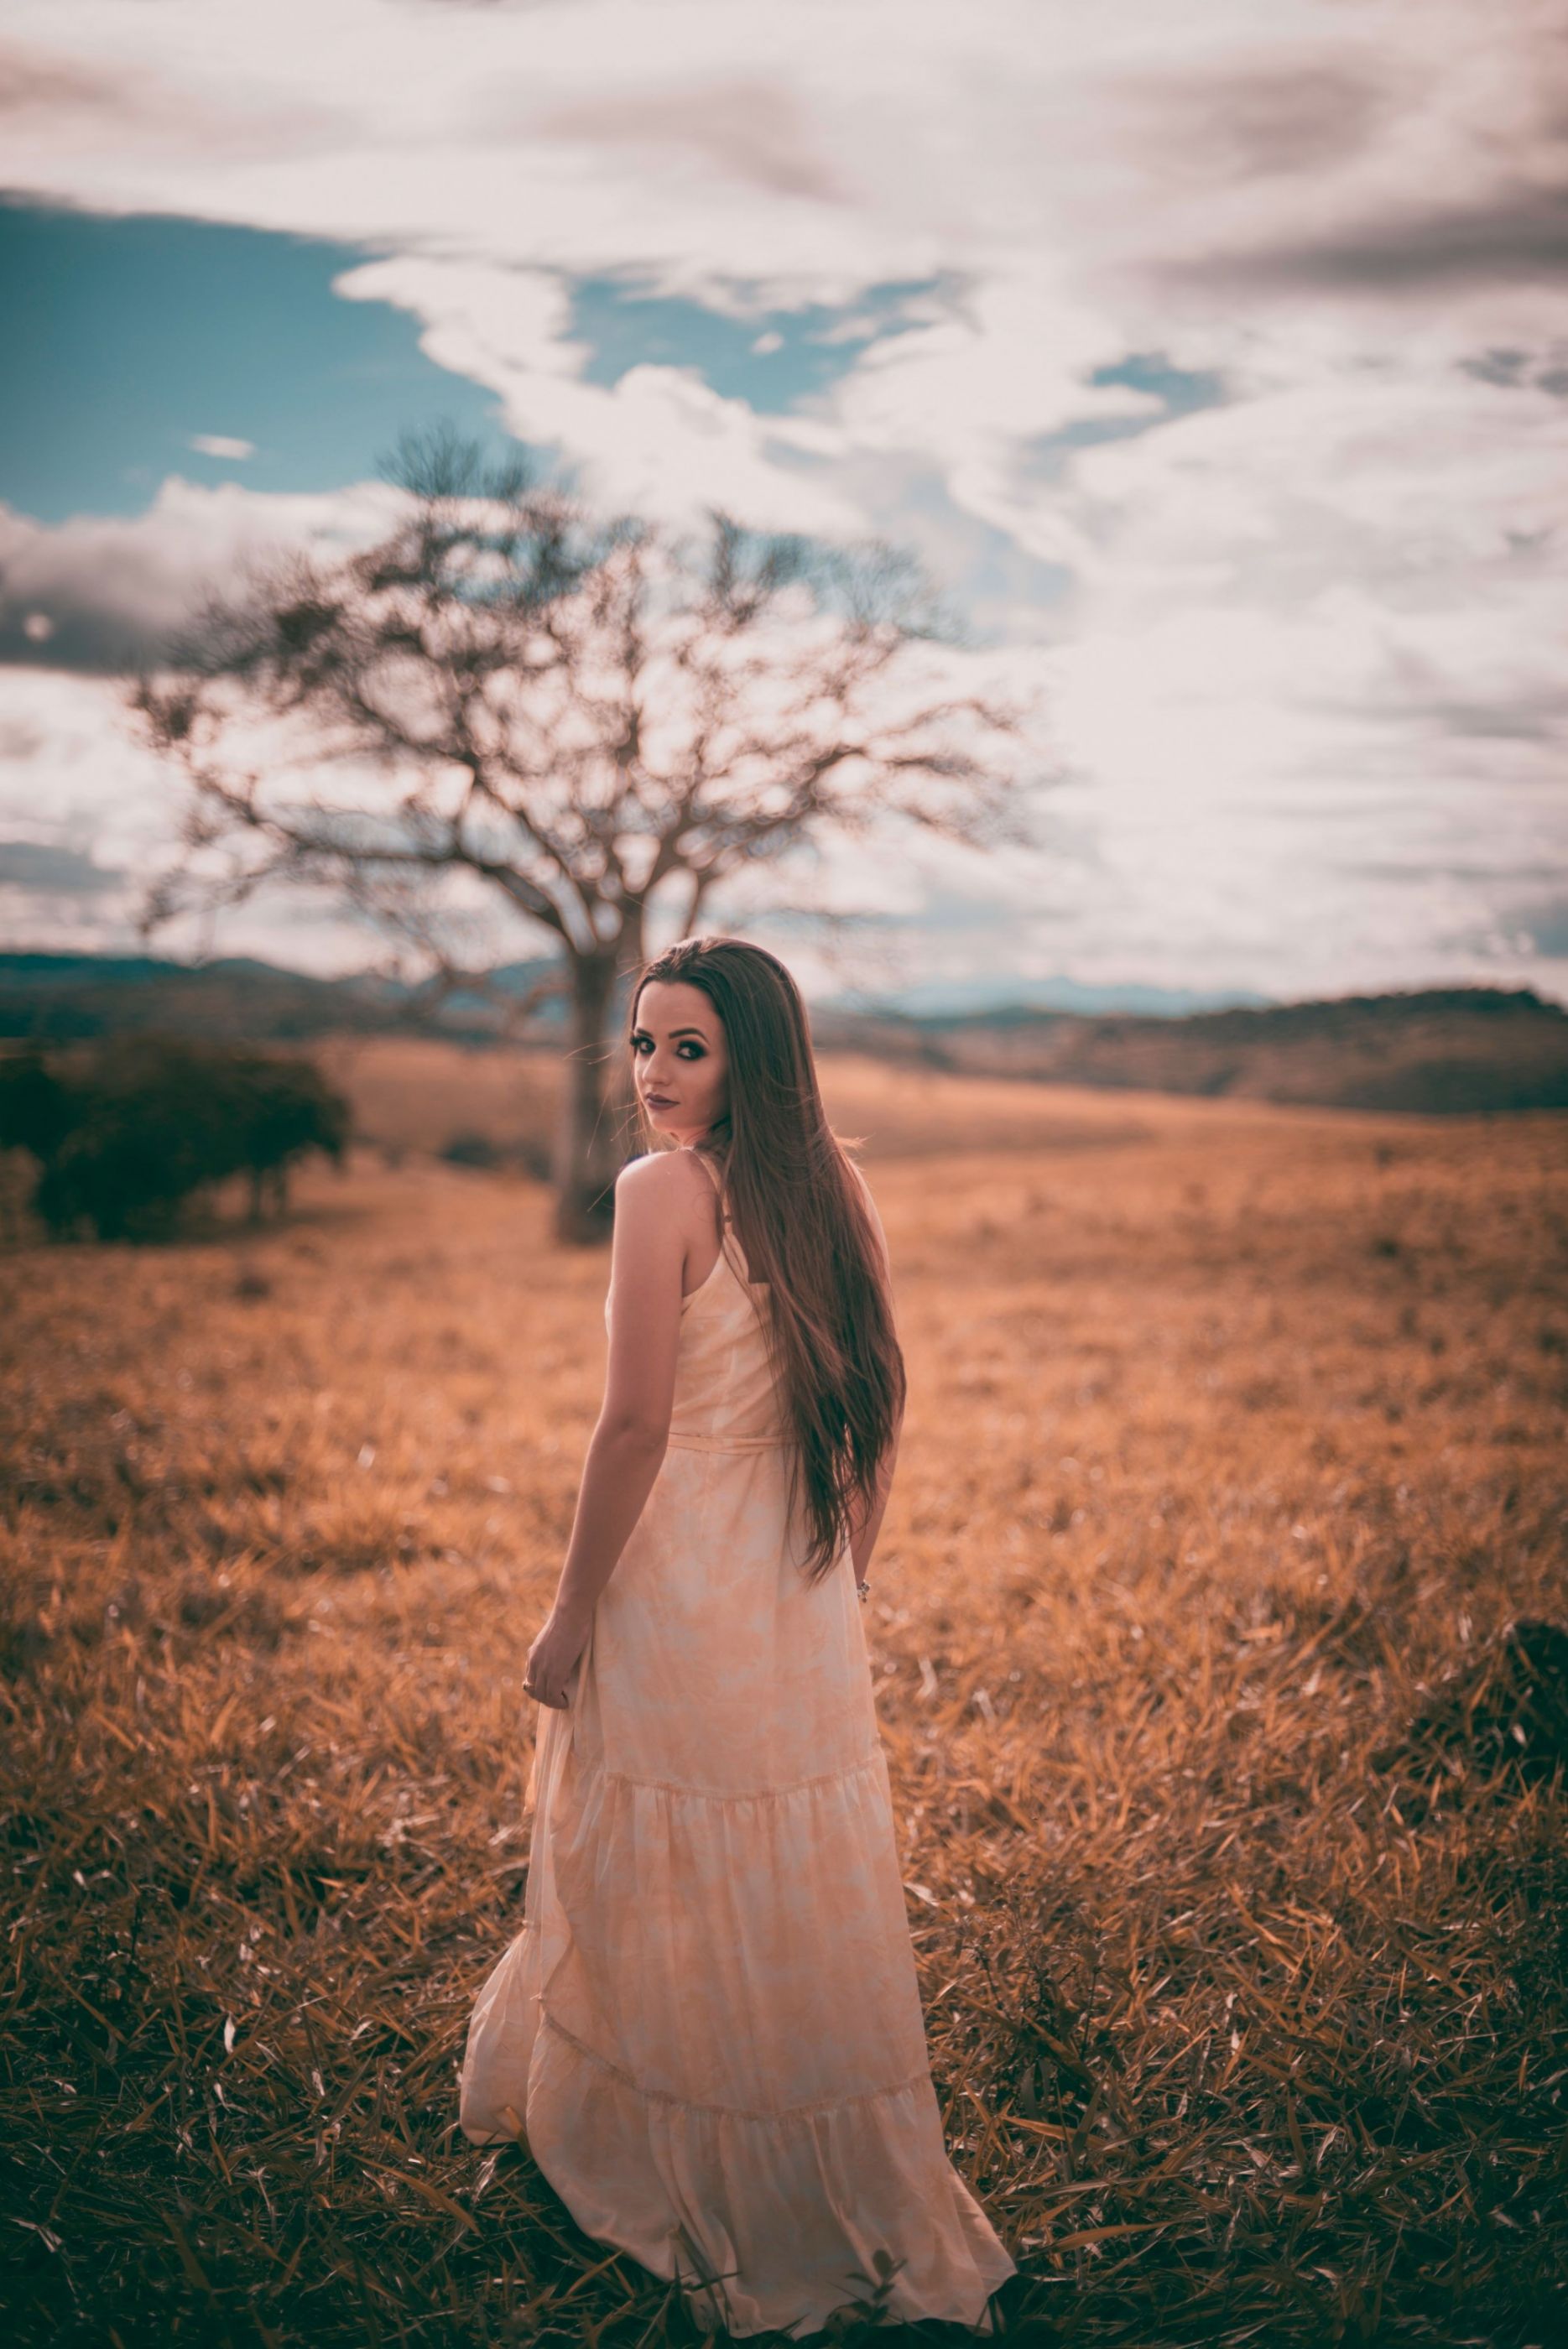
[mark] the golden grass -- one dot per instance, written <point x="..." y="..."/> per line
<point x="1235" y="1442"/>
<point x="420" y="1095"/>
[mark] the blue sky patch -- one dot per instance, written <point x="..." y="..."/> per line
<point x="129" y="335"/>
<point x="143" y="333"/>
<point x="774" y="361"/>
<point x="1181" y="391"/>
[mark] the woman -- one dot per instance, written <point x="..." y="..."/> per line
<point x="708" y="2031"/>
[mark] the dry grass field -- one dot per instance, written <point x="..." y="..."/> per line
<point x="1234" y="1825"/>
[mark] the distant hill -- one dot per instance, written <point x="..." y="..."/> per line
<point x="1440" y="1050"/>
<point x="65" y="998"/>
<point x="945" y="999"/>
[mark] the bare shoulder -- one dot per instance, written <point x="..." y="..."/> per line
<point x="660" y="1186"/>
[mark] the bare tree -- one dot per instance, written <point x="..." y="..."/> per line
<point x="506" y="700"/>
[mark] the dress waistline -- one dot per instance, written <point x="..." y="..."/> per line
<point x="695" y="1440"/>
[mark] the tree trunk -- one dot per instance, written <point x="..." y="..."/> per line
<point x="620" y="1085"/>
<point x="592" y="1135"/>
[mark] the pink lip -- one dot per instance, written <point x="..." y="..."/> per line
<point x="657" y="1101"/>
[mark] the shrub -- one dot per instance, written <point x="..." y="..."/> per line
<point x="468" y="1149"/>
<point x="124" y="1135"/>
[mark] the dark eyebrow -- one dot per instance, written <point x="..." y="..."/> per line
<point x="675" y="1031"/>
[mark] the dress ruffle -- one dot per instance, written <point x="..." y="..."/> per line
<point x="699" y="2088"/>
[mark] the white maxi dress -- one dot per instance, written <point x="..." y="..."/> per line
<point x="708" y="2031"/>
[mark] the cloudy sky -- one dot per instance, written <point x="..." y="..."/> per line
<point x="1215" y="358"/>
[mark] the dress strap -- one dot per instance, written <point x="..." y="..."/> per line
<point x="717" y="1180"/>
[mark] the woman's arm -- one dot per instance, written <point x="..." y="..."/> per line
<point x="652" y="1207"/>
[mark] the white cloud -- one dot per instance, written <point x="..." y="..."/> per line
<point x="1306" y="671"/>
<point x="661" y="440"/>
<point x="73" y="775"/>
<point x="104" y="590"/>
<point x="219" y="444"/>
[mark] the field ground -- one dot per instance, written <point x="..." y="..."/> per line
<point x="1232" y="1827"/>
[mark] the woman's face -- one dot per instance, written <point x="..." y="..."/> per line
<point x="678" y="1060"/>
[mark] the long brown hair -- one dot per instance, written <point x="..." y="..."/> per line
<point x="803" y="1221"/>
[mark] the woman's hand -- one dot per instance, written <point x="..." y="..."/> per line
<point x="552" y="1659"/>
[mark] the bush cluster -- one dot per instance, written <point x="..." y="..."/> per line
<point x="124" y="1135"/>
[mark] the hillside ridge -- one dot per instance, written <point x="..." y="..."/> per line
<point x="1445" y="1049"/>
